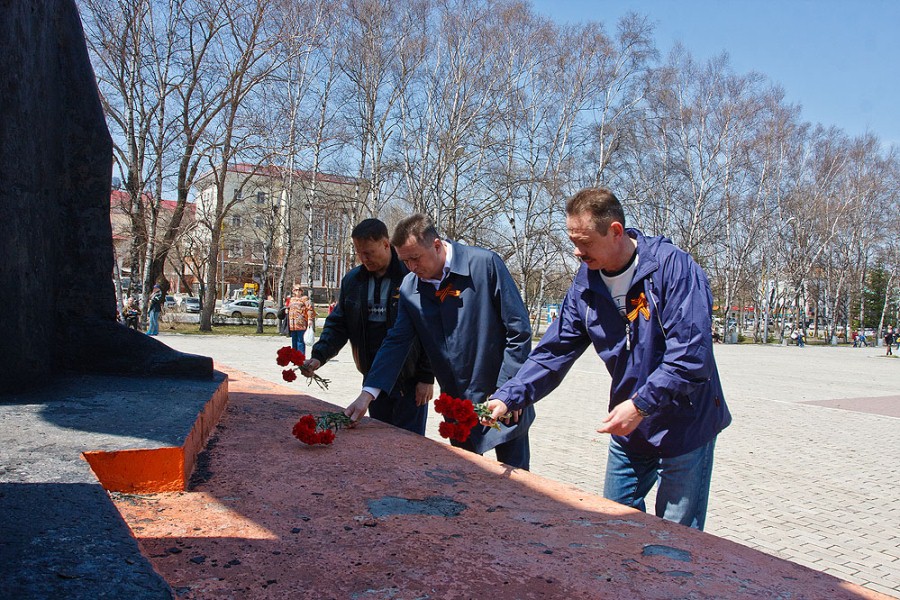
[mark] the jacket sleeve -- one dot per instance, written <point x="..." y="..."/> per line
<point x="335" y="332"/>
<point x="683" y="304"/>
<point x="512" y="311"/>
<point x="565" y="340"/>
<point x="391" y="356"/>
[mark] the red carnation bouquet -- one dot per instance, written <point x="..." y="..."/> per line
<point x="319" y="430"/>
<point x="461" y="416"/>
<point x="288" y="355"/>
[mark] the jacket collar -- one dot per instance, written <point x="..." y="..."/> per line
<point x="396" y="268"/>
<point x="647" y="264"/>
<point x="647" y="247"/>
<point x="459" y="263"/>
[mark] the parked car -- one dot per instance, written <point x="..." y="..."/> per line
<point x="170" y="302"/>
<point x="191" y="304"/>
<point x="246" y="309"/>
<point x="179" y="299"/>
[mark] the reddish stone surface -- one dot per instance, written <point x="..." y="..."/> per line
<point x="888" y="406"/>
<point x="373" y="517"/>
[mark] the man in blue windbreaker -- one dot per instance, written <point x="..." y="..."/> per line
<point x="646" y="308"/>
<point x="462" y="304"/>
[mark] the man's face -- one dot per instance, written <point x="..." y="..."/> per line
<point x="595" y="250"/>
<point x="375" y="255"/>
<point x="427" y="262"/>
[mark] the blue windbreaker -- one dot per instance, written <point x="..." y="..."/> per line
<point x="661" y="356"/>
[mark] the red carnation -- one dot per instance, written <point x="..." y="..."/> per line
<point x="446" y="429"/>
<point x="297" y="357"/>
<point x="319" y="430"/>
<point x="460" y="417"/>
<point x="284" y="356"/>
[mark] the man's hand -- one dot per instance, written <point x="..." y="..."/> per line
<point x="512" y="416"/>
<point x="357" y="410"/>
<point x="424" y="393"/>
<point x="498" y="411"/>
<point x="309" y="367"/>
<point x="622" y="419"/>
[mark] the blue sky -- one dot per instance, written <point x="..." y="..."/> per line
<point x="840" y="60"/>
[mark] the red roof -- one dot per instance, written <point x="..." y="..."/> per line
<point x="276" y="171"/>
<point x="120" y="200"/>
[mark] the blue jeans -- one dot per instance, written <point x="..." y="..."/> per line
<point x="297" y="342"/>
<point x="153" y="326"/>
<point x="683" y="492"/>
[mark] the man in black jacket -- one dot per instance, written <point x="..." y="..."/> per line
<point x="366" y="310"/>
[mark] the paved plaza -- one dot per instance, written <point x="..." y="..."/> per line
<point x="808" y="471"/>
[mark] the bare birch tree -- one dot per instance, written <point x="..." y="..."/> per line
<point x="244" y="50"/>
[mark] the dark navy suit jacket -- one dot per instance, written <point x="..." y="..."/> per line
<point x="476" y="338"/>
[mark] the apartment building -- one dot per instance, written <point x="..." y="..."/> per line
<point x="281" y="209"/>
<point x="177" y="269"/>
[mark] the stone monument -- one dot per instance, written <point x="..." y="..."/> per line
<point x="55" y="236"/>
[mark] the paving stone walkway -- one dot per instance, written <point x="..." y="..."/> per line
<point x="808" y="471"/>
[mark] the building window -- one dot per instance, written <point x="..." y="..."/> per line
<point x="236" y="221"/>
<point x="260" y="197"/>
<point x="258" y="250"/>
<point x="316" y="269"/>
<point x="237" y="194"/>
<point x="259" y="222"/>
<point x="236" y="248"/>
<point x="335" y="229"/>
<point x="329" y="271"/>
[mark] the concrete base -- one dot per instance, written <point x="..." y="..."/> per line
<point x="385" y="514"/>
<point x="61" y="535"/>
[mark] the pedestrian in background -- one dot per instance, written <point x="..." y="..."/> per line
<point x="283" y="318"/>
<point x="889" y="340"/>
<point x="154" y="309"/>
<point x="132" y="314"/>
<point x="300" y="313"/>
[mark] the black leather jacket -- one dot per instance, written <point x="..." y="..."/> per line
<point x="347" y="322"/>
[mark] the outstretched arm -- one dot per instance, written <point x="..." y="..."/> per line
<point x="387" y="364"/>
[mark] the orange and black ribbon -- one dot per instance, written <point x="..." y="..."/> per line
<point x="442" y="293"/>
<point x="641" y="306"/>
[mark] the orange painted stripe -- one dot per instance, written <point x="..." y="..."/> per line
<point x="151" y="470"/>
<point x="139" y="471"/>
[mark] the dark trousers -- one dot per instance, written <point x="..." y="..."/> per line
<point x="399" y="408"/>
<point x="515" y="453"/>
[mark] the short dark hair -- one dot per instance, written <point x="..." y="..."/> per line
<point x="601" y="203"/>
<point x="371" y="230"/>
<point x="418" y="226"/>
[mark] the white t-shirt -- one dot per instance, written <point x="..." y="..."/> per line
<point x="619" y="284"/>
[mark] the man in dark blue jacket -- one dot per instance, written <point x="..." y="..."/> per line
<point x="646" y="308"/>
<point x="365" y="312"/>
<point x="462" y="304"/>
